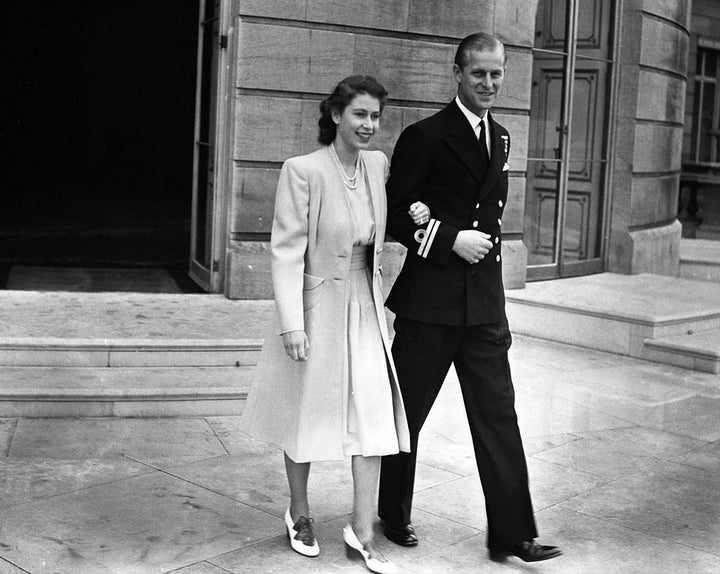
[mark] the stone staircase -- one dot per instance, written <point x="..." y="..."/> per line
<point x="664" y="319"/>
<point x="127" y="354"/>
<point x="68" y="354"/>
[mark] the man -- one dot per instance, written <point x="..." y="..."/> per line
<point x="449" y="299"/>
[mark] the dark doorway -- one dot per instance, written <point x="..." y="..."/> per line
<point x="98" y="106"/>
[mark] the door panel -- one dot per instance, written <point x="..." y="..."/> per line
<point x="203" y="246"/>
<point x="568" y="123"/>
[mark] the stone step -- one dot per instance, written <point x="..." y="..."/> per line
<point x="620" y="314"/>
<point x="66" y="354"/>
<point x="123" y="392"/>
<point x="127" y="352"/>
<point x="696" y="351"/>
<point x="129" y="329"/>
<point x="700" y="259"/>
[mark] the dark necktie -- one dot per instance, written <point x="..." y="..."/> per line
<point x="482" y="140"/>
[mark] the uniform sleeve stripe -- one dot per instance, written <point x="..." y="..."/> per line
<point x="429" y="238"/>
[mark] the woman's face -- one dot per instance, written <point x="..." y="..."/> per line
<point x="358" y="123"/>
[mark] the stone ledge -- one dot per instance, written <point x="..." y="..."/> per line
<point x="128" y="353"/>
<point x="57" y="343"/>
<point x="700" y="259"/>
<point x="643" y="299"/>
<point x="82" y="391"/>
<point x="118" y="408"/>
<point x="620" y="314"/>
<point x="697" y="351"/>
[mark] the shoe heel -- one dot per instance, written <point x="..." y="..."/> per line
<point x="351" y="552"/>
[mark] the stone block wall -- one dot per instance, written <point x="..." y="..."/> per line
<point x="291" y="53"/>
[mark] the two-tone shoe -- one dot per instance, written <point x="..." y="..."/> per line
<point x="300" y="533"/>
<point x="353" y="546"/>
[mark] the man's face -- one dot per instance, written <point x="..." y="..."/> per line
<point x="480" y="80"/>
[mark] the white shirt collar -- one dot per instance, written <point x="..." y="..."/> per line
<point x="472" y="117"/>
<point x="475" y="120"/>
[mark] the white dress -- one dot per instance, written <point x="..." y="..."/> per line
<point x="370" y="424"/>
<point x="344" y="399"/>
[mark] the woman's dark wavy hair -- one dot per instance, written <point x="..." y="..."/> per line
<point x="341" y="96"/>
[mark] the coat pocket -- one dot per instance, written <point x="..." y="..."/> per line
<point x="379" y="278"/>
<point x="312" y="290"/>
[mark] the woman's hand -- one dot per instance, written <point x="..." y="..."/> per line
<point x="419" y="212"/>
<point x="296" y="345"/>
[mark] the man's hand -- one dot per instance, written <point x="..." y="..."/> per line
<point x="296" y="345"/>
<point x="472" y="245"/>
<point x="419" y="212"/>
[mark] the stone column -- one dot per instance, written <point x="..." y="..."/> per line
<point x="645" y="233"/>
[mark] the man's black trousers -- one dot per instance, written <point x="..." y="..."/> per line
<point x="423" y="353"/>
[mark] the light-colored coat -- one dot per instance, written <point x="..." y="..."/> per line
<point x="301" y="405"/>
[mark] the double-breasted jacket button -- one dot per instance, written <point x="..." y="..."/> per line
<point x="500" y="203"/>
<point x="499" y="221"/>
<point x="477" y="206"/>
<point x="497" y="239"/>
<point x="475" y="223"/>
<point x="497" y="258"/>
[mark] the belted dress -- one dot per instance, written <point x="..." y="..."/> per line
<point x="326" y="246"/>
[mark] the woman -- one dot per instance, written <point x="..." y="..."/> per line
<point x="327" y="387"/>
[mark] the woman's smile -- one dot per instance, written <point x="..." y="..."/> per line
<point x="358" y="122"/>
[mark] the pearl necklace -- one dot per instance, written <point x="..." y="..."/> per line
<point x="349" y="181"/>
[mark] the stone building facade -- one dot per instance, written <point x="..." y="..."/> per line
<point x="594" y="100"/>
<point x="596" y="121"/>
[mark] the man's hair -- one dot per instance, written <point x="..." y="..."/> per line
<point x="481" y="42"/>
<point x="342" y="95"/>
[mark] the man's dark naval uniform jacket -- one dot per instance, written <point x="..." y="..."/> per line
<point x="439" y="161"/>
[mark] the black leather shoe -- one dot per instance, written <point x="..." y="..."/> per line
<point x="404" y="535"/>
<point x="527" y="550"/>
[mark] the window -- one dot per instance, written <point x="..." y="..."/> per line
<point x="706" y="107"/>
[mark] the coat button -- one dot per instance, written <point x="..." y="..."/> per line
<point x="477" y="206"/>
<point x="497" y="239"/>
<point x="500" y="203"/>
<point x="475" y="223"/>
<point x="499" y="221"/>
<point x="497" y="258"/>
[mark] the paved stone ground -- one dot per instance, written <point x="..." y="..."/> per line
<point x="67" y="315"/>
<point x="624" y="461"/>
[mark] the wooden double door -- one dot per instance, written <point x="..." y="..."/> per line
<point x="570" y="118"/>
